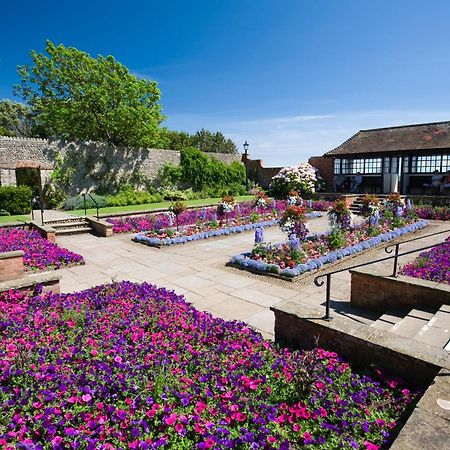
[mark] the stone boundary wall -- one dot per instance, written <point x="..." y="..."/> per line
<point x="93" y="158"/>
<point x="256" y="172"/>
<point x="370" y="289"/>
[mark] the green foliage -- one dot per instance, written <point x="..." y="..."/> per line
<point x="206" y="141"/>
<point x="4" y="213"/>
<point x="129" y="196"/>
<point x="77" y="202"/>
<point x="203" y="172"/>
<point x="16" y="119"/>
<point x="54" y="196"/>
<point x="15" y="199"/>
<point x="336" y="238"/>
<point x="176" y="140"/>
<point x="80" y="97"/>
<point x="169" y="175"/>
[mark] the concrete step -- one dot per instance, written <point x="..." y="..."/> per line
<point x="68" y="231"/>
<point x="67" y="219"/>
<point x="388" y="320"/>
<point x="412" y="323"/>
<point x="67" y="225"/>
<point x="437" y="331"/>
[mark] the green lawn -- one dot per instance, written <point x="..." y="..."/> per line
<point x="9" y="219"/>
<point x="151" y="206"/>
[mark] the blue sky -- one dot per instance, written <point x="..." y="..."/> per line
<point x="295" y="78"/>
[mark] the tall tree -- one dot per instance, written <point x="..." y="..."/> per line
<point x="16" y="119"/>
<point x="81" y="97"/>
<point x="206" y="141"/>
<point x="176" y="140"/>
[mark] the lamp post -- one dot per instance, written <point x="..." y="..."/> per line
<point x="245" y="156"/>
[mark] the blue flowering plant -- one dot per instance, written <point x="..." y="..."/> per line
<point x="296" y="256"/>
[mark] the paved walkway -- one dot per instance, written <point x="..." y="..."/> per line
<point x="197" y="270"/>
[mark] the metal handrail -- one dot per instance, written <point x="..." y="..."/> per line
<point x="388" y="249"/>
<point x="320" y="283"/>
<point x="95" y="203"/>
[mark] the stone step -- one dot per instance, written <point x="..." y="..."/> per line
<point x="67" y="225"/>
<point x="437" y="331"/>
<point x="68" y="231"/>
<point x="412" y="323"/>
<point x="388" y="320"/>
<point x="67" y="219"/>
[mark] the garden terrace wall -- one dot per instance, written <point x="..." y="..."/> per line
<point x="100" y="227"/>
<point x="48" y="280"/>
<point x="302" y="326"/>
<point x="46" y="231"/>
<point x="371" y="289"/>
<point x="11" y="265"/>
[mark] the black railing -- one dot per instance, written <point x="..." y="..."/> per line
<point x="328" y="275"/>
<point x="396" y="246"/>
<point x="95" y="203"/>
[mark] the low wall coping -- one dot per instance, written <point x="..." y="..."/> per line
<point x="30" y="280"/>
<point x="420" y="351"/>
<point x="12" y="254"/>
<point x="375" y="272"/>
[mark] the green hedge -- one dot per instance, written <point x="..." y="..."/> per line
<point x="15" y="199"/>
<point x="203" y="172"/>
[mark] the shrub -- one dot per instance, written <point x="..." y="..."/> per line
<point x="4" y="213"/>
<point x="169" y="175"/>
<point x="129" y="196"/>
<point x="77" y="202"/>
<point x="301" y="179"/>
<point x="203" y="172"/>
<point x="54" y="196"/>
<point x="15" y="199"/>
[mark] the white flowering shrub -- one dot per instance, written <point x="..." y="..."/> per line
<point x="301" y="179"/>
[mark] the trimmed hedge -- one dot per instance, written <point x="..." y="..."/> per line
<point x="15" y="199"/>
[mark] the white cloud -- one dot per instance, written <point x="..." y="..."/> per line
<point x="285" y="141"/>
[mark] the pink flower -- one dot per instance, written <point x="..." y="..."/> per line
<point x="370" y="446"/>
<point x="86" y="398"/>
<point x="171" y="419"/>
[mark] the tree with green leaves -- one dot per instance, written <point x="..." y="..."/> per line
<point x="16" y="119"/>
<point x="206" y="141"/>
<point x="176" y="140"/>
<point x="80" y="97"/>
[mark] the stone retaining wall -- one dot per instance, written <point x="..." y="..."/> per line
<point x="11" y="265"/>
<point x="370" y="289"/>
<point x="94" y="160"/>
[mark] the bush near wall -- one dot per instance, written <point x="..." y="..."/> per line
<point x="15" y="199"/>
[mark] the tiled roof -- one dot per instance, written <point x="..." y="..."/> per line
<point x="408" y="137"/>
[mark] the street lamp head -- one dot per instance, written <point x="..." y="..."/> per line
<point x="246" y="146"/>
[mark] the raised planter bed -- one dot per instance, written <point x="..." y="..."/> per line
<point x="244" y="261"/>
<point x="146" y="370"/>
<point x="143" y="238"/>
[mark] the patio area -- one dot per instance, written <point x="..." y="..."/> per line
<point x="197" y="270"/>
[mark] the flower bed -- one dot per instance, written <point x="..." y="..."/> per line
<point x="431" y="265"/>
<point x="204" y="231"/>
<point x="316" y="252"/>
<point x="132" y="366"/>
<point x="432" y="212"/>
<point x="39" y="253"/>
<point x="151" y="222"/>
